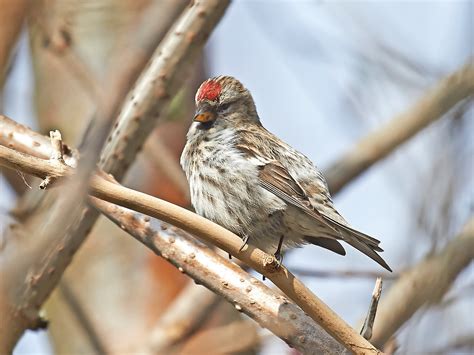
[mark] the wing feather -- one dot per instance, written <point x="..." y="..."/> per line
<point x="276" y="179"/>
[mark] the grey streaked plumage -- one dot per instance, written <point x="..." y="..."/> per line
<point x="246" y="179"/>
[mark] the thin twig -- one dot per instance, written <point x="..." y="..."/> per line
<point x="366" y="330"/>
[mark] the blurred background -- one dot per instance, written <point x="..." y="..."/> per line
<point x="323" y="75"/>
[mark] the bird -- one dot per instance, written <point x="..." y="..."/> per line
<point x="244" y="178"/>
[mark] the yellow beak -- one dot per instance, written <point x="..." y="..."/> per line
<point x="205" y="116"/>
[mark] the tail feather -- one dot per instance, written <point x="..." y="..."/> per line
<point x="327" y="243"/>
<point x="362" y="242"/>
<point x="371" y="253"/>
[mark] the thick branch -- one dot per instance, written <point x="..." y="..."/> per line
<point x="249" y="295"/>
<point x="377" y="145"/>
<point x="209" y="232"/>
<point x="425" y="283"/>
<point x="160" y="81"/>
<point x="151" y="95"/>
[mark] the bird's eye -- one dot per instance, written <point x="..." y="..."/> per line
<point x="224" y="106"/>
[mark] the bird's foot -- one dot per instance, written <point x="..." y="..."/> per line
<point x="245" y="239"/>
<point x="230" y="257"/>
<point x="278" y="254"/>
<point x="279" y="258"/>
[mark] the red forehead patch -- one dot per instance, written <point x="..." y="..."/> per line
<point x="210" y="90"/>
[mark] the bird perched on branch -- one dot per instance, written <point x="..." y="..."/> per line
<point x="246" y="179"/>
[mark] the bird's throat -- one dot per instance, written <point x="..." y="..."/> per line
<point x="204" y="126"/>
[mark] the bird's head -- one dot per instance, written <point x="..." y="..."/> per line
<point x="223" y="100"/>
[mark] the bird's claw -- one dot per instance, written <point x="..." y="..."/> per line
<point x="279" y="259"/>
<point x="245" y="239"/>
<point x="278" y="254"/>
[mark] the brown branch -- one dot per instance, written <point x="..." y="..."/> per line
<point x="21" y="138"/>
<point x="311" y="335"/>
<point x="377" y="145"/>
<point x="209" y="232"/>
<point x="255" y="258"/>
<point x="217" y="273"/>
<point x="31" y="165"/>
<point x="424" y="284"/>
<point x="48" y="260"/>
<point x="28" y="280"/>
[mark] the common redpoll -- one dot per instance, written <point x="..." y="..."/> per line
<point x="246" y="179"/>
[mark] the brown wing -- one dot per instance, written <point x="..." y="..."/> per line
<point x="275" y="178"/>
